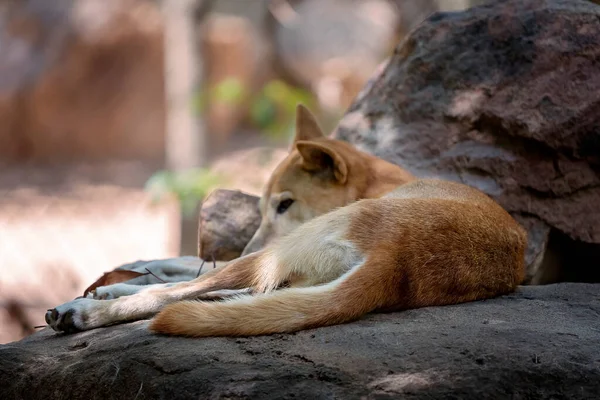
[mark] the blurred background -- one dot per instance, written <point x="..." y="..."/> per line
<point x="118" y="116"/>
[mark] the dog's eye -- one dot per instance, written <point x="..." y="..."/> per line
<point x="284" y="205"/>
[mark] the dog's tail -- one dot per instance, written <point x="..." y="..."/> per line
<point x="345" y="299"/>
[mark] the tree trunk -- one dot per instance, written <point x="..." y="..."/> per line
<point x="186" y="142"/>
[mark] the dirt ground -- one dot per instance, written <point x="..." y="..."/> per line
<point x="62" y="227"/>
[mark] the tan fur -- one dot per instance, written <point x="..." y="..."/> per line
<point x="425" y="243"/>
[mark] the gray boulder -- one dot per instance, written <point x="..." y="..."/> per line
<point x="506" y="98"/>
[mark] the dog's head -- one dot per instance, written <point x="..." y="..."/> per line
<point x="317" y="176"/>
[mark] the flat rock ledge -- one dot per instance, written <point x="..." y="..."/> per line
<point x="542" y="342"/>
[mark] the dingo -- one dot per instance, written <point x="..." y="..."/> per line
<point x="343" y="234"/>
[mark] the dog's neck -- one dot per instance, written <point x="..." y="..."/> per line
<point x="378" y="177"/>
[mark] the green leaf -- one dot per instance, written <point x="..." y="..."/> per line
<point x="263" y="112"/>
<point x="190" y="186"/>
<point x="229" y="91"/>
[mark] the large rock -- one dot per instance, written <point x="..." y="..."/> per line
<point x="81" y="80"/>
<point x="541" y="343"/>
<point x="228" y="220"/>
<point x="503" y="97"/>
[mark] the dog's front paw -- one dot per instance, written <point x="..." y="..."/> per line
<point x="71" y="317"/>
<point x="100" y="293"/>
<point x="114" y="291"/>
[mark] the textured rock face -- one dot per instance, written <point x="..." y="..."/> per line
<point x="228" y="220"/>
<point x="81" y="80"/>
<point x="504" y="97"/>
<point x="541" y="343"/>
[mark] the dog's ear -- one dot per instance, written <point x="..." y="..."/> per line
<point x="307" y="127"/>
<point x="319" y="156"/>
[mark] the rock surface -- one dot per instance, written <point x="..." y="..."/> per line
<point x="228" y="220"/>
<point x="541" y="343"/>
<point x="503" y="97"/>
